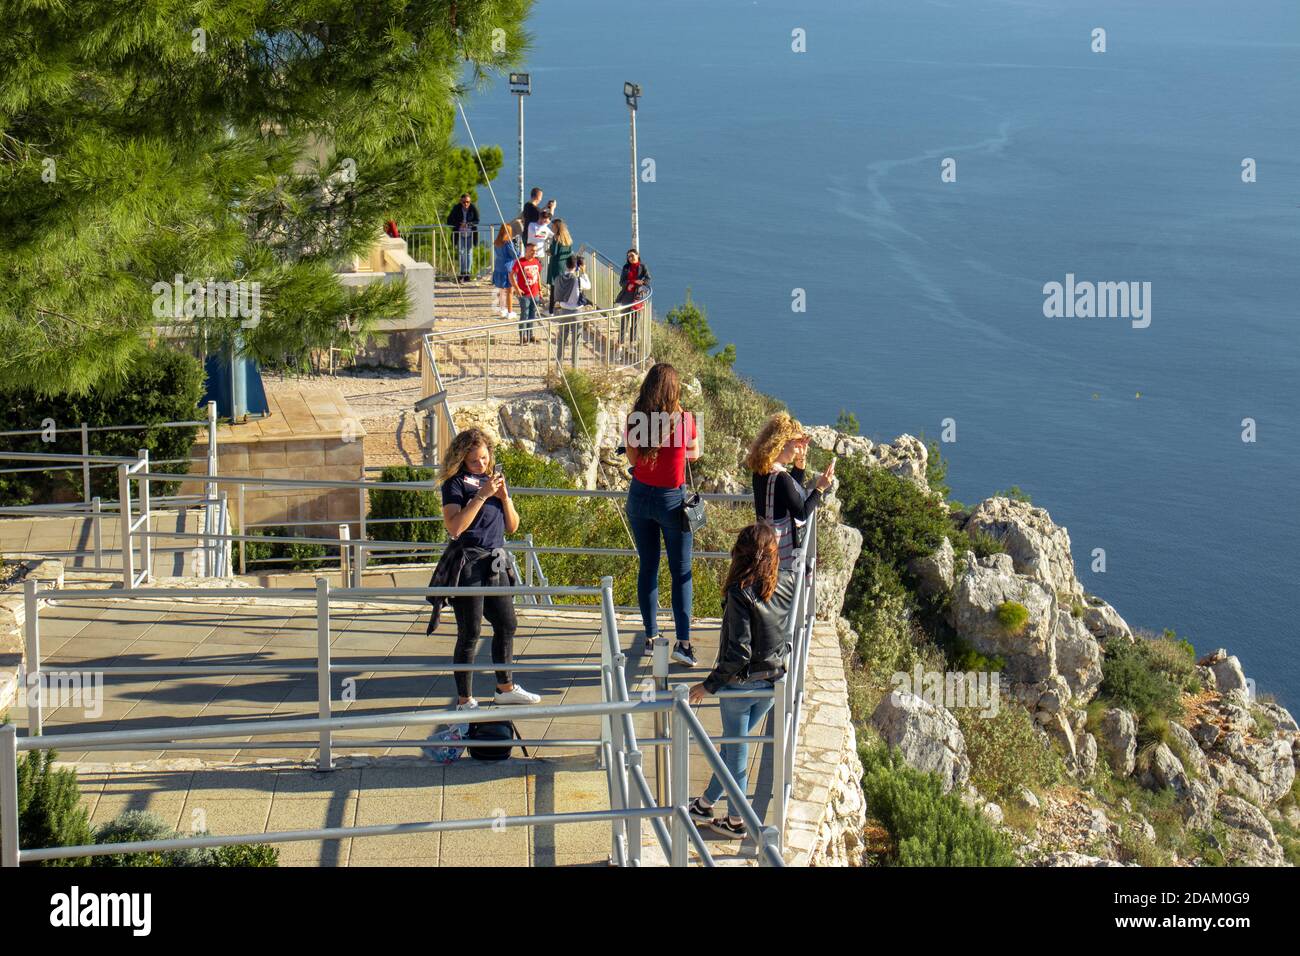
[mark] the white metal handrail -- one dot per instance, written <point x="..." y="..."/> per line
<point x="617" y="747"/>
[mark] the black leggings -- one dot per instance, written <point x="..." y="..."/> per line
<point x="470" y="611"/>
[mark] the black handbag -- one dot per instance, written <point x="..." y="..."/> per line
<point x="693" y="516"/>
<point x="494" y="730"/>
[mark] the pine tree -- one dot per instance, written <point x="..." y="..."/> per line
<point x="254" y="141"/>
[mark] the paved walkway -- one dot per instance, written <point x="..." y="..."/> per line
<point x="72" y="541"/>
<point x="394" y="783"/>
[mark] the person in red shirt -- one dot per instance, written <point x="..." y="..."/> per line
<point x="661" y="438"/>
<point x="526" y="278"/>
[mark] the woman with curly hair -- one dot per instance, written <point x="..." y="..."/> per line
<point x="752" y="651"/>
<point x="780" y="499"/>
<point x="478" y="513"/>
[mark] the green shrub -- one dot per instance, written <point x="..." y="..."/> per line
<point x="556" y="521"/>
<point x="577" y="390"/>
<point x="936" y="470"/>
<point x="899" y="522"/>
<point x="248" y="854"/>
<point x="1013" y="616"/>
<point x="1005" y="752"/>
<point x="50" y="812"/>
<point x="282" y="556"/>
<point x="1132" y="678"/>
<point x="929" y="827"/>
<point x="162" y="385"/>
<point x="847" y="422"/>
<point x="692" y="322"/>
<point x="141" y="826"/>
<point x="1015" y="494"/>
<point x="387" y="503"/>
<point x="1175" y="658"/>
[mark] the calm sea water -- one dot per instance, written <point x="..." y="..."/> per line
<point x="820" y="171"/>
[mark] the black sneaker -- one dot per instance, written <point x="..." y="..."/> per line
<point x="684" y="654"/>
<point x="699" y="812"/>
<point x="724" y="826"/>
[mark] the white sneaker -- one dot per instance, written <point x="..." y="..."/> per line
<point x="512" y="315"/>
<point x="470" y="704"/>
<point x="517" y="696"/>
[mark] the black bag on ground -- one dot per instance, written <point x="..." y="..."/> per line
<point x="494" y="730"/>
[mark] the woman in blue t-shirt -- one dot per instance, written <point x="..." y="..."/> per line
<point x="478" y="513"/>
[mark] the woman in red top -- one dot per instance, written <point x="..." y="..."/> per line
<point x="661" y="437"/>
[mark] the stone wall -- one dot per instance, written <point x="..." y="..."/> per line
<point x="307" y="436"/>
<point x="827" y="811"/>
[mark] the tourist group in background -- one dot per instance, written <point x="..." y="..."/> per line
<point x="536" y="250"/>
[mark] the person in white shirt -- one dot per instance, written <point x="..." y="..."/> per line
<point x="539" y="235"/>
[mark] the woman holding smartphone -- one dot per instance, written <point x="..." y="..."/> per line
<point x="478" y="513"/>
<point x="777" y="459"/>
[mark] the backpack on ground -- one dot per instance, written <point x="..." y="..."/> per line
<point x="494" y="730"/>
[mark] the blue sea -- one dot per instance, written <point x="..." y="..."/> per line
<point x="820" y="171"/>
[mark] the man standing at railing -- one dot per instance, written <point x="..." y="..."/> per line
<point x="463" y="220"/>
<point x="526" y="277"/>
<point x="529" y="214"/>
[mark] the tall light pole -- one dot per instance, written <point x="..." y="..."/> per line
<point x="631" y="93"/>
<point x="521" y="85"/>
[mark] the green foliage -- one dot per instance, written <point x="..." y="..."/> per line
<point x="1175" y="658"/>
<point x="388" y="503"/>
<point x="282" y="556"/>
<point x="929" y="827"/>
<point x="690" y="319"/>
<point x="730" y="410"/>
<point x="161" y="386"/>
<point x="268" y="149"/>
<point x="1005" y="752"/>
<point x="936" y="470"/>
<point x="1015" y="494"/>
<point x="579" y="392"/>
<point x="141" y="826"/>
<point x="50" y="812"/>
<point x="847" y="422"/>
<point x="1012" y="616"/>
<point x="1132" y="678"/>
<point x="898" y="521"/>
<point x="597" y="522"/>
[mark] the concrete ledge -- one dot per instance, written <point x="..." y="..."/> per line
<point x="827" y="812"/>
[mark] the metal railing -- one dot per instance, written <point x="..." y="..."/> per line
<point x="442" y="246"/>
<point x="215" y="517"/>
<point x="631" y="800"/>
<point x="509" y="355"/>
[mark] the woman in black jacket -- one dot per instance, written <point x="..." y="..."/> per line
<point x="751" y="655"/>
<point x="633" y="286"/>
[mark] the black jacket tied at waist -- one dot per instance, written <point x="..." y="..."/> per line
<point x="462" y="565"/>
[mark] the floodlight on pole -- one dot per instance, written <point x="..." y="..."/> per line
<point x="631" y="94"/>
<point x="521" y="85"/>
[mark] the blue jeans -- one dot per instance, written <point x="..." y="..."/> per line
<point x="465" y="247"/>
<point x="527" y="315"/>
<point x="740" y="718"/>
<point x="652" y="512"/>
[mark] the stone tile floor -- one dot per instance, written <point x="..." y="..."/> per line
<point x="247" y="788"/>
